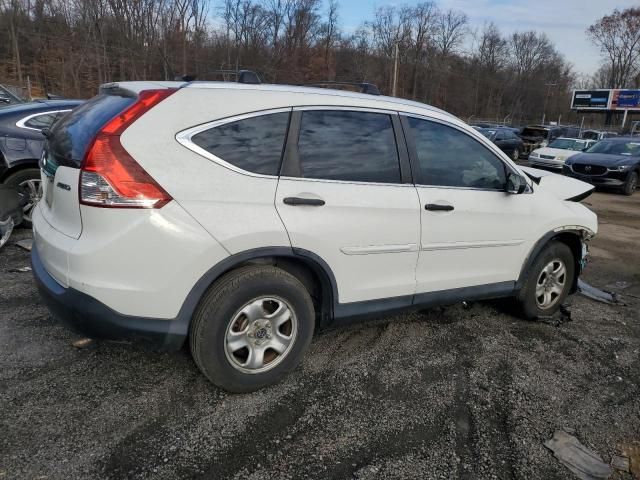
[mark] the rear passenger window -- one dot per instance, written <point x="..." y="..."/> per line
<point x="253" y="144"/>
<point x="41" y="121"/>
<point x="349" y="146"/>
<point x="451" y="158"/>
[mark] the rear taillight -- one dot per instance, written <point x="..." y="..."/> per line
<point x="109" y="176"/>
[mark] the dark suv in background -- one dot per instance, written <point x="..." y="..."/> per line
<point x="612" y="162"/>
<point x="21" y="142"/>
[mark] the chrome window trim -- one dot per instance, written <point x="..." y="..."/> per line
<point x="184" y="138"/>
<point x="21" y="123"/>
<point x="347" y="182"/>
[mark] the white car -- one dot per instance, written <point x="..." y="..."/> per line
<point x="558" y="151"/>
<point x="241" y="217"/>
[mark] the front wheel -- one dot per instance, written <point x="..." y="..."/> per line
<point x="548" y="281"/>
<point x="251" y="328"/>
<point x="631" y="184"/>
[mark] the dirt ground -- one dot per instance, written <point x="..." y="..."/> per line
<point x="468" y="393"/>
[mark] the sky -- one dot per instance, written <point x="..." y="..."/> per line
<point x="564" y="21"/>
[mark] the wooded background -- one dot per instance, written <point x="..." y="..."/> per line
<point x="70" y="47"/>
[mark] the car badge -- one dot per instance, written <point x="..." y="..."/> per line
<point x="587" y="168"/>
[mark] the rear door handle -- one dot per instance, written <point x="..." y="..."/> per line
<point x="438" y="208"/>
<point x="314" y="202"/>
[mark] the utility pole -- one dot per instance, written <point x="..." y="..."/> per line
<point x="544" y="108"/>
<point x="394" y="90"/>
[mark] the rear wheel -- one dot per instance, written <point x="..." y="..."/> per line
<point x="548" y="281"/>
<point x="631" y="184"/>
<point x="29" y="185"/>
<point x="252" y="328"/>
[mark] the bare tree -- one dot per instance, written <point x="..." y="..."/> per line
<point x="618" y="37"/>
<point x="450" y="31"/>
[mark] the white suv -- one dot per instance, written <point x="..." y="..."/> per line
<point x="245" y="216"/>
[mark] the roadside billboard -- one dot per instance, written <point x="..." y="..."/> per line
<point x="625" y="100"/>
<point x="590" y="99"/>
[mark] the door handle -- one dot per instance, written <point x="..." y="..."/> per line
<point x="294" y="201"/>
<point x="435" y="207"/>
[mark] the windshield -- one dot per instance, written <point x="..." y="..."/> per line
<point x="616" y="148"/>
<point x="569" y="144"/>
<point x="534" y="132"/>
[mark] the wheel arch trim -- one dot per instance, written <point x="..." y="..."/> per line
<point x="558" y="233"/>
<point x="181" y="324"/>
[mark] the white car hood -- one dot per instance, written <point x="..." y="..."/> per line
<point x="565" y="188"/>
<point x="556" y="152"/>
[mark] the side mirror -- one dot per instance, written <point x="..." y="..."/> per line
<point x="516" y="184"/>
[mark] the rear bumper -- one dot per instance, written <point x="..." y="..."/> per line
<point x="90" y="317"/>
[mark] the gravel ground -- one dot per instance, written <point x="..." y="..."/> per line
<point x="469" y="393"/>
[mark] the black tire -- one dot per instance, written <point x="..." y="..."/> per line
<point x="527" y="300"/>
<point x="19" y="178"/>
<point x="631" y="184"/>
<point x="221" y="304"/>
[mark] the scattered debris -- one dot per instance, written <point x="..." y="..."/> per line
<point x="620" y="463"/>
<point x="563" y="315"/>
<point x="84" y="343"/>
<point x="584" y="463"/>
<point x="596" y="294"/>
<point x="20" y="270"/>
<point x="632" y="452"/>
<point x="619" y="285"/>
<point x="26" y="244"/>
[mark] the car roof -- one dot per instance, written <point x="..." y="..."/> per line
<point x="376" y="101"/>
<point x="621" y="139"/>
<point x="39" y="105"/>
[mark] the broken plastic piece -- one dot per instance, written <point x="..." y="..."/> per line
<point x="595" y="293"/>
<point x="584" y="463"/>
<point x="20" y="270"/>
<point x="620" y="463"/>
<point x="84" y="343"/>
<point x="26" y="244"/>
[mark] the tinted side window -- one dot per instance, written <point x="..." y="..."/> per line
<point x="451" y="158"/>
<point x="350" y="146"/>
<point x="253" y="144"/>
<point x="41" y="121"/>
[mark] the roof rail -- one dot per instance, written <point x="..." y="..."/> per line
<point x="368" y="88"/>
<point x="242" y="76"/>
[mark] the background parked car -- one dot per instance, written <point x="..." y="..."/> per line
<point x="505" y="139"/>
<point x="597" y="134"/>
<point x="612" y="162"/>
<point x="21" y="142"/>
<point x="558" y="151"/>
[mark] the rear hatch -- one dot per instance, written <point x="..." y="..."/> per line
<point x="64" y="150"/>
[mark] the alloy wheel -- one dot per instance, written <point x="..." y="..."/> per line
<point x="33" y="189"/>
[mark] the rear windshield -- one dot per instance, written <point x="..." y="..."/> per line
<point x="70" y="137"/>
<point x="534" y="132"/>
